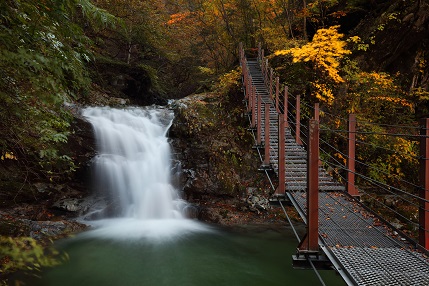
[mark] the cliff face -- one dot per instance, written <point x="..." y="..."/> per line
<point x="220" y="170"/>
<point x="397" y="35"/>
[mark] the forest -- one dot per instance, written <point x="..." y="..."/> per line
<point x="368" y="57"/>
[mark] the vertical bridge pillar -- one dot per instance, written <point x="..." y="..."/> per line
<point x="298" y="120"/>
<point x="424" y="181"/>
<point x="253" y="104"/>
<point x="277" y="94"/>
<point x="351" y="155"/>
<point x="285" y="106"/>
<point x="259" y="120"/>
<point x="281" y="189"/>
<point x="266" y="165"/>
<point x="309" y="245"/>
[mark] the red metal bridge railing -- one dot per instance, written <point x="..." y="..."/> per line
<point x="289" y="108"/>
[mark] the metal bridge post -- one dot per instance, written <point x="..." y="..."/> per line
<point x="298" y="120"/>
<point x="351" y="155"/>
<point x="266" y="163"/>
<point x="246" y="80"/>
<point x="281" y="189"/>
<point x="262" y="65"/>
<point x="259" y="118"/>
<point x="316" y="111"/>
<point x="266" y="73"/>
<point x="424" y="181"/>
<point x="317" y="118"/>
<point x="270" y="87"/>
<point x="249" y="98"/>
<point x="254" y="106"/>
<point x="277" y="94"/>
<point x="285" y="106"/>
<point x="241" y="53"/>
<point x="310" y="243"/>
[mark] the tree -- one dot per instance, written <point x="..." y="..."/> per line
<point x="43" y="57"/>
<point x="325" y="52"/>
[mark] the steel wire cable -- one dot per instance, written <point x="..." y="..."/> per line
<point x="369" y="166"/>
<point x="289" y="220"/>
<point x="334" y="149"/>
<point x="383" y="186"/>
<point x="336" y="172"/>
<point x="291" y="95"/>
<point x="396" y="241"/>
<point x="361" y="190"/>
<point x="377" y="201"/>
<point x="339" y="131"/>
<point x="335" y="116"/>
<point x="379" y="170"/>
<point x="386" y="173"/>
<point x="375" y="133"/>
<point x="390" y="134"/>
<point x="393" y="151"/>
<point x="372" y="167"/>
<point x="389" y="125"/>
<point x="301" y="131"/>
<point x="388" y="189"/>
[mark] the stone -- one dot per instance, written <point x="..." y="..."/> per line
<point x="69" y="204"/>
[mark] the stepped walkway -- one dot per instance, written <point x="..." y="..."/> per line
<point x="360" y="247"/>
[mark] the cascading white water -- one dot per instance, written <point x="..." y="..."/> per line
<point x="134" y="167"/>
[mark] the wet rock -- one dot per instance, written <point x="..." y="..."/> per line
<point x="70" y="204"/>
<point x="256" y="203"/>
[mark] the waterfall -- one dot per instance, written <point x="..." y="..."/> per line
<point x="133" y="167"/>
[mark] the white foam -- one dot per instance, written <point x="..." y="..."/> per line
<point x="133" y="167"/>
<point x="159" y="230"/>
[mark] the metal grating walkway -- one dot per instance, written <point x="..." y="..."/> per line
<point x="362" y="249"/>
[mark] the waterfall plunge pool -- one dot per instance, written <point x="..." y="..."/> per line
<point x="244" y="256"/>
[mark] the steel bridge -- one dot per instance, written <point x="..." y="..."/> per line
<point x="361" y="246"/>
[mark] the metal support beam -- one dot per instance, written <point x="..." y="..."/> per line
<point x="241" y="53"/>
<point x="351" y="155"/>
<point x="246" y="78"/>
<point x="310" y="243"/>
<point x="266" y="164"/>
<point x="249" y="98"/>
<point x="424" y="181"/>
<point x="254" y="106"/>
<point x="277" y="94"/>
<point x="316" y="111"/>
<point x="266" y="73"/>
<point x="270" y="85"/>
<point x="259" y="120"/>
<point x="298" y="120"/>
<point x="281" y="189"/>
<point x="285" y="106"/>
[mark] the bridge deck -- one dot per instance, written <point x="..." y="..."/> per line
<point x="362" y="249"/>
